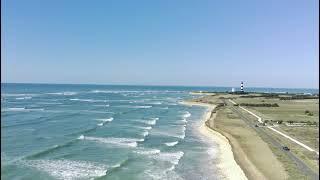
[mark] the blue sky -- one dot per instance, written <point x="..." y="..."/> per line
<point x="271" y="43"/>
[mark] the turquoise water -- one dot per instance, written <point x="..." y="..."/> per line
<point x="103" y="132"/>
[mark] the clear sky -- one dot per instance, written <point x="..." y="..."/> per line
<point x="265" y="43"/>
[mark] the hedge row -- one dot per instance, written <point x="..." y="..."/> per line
<point x="260" y="105"/>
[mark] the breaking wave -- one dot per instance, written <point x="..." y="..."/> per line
<point x="172" y="157"/>
<point x="22" y="98"/>
<point x="171" y="143"/>
<point x="186" y="115"/>
<point x="87" y="100"/>
<point x="63" y="93"/>
<point x="67" y="169"/>
<point x="105" y="120"/>
<point x="149" y="122"/>
<point x="131" y="142"/>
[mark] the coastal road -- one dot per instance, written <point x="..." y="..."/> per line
<point x="282" y="134"/>
<point x="261" y="131"/>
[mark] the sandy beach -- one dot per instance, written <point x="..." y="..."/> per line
<point x="227" y="164"/>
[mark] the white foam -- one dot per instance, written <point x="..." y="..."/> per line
<point x="212" y="152"/>
<point x="15" y="109"/>
<point x="167" y="133"/>
<point x="22" y="98"/>
<point x="19" y="109"/>
<point x="67" y="169"/>
<point x="17" y="95"/>
<point x="172" y="157"/>
<point x="49" y="103"/>
<point x="36" y="109"/>
<point x="107" y="91"/>
<point x="186" y="115"/>
<point x="155" y="103"/>
<point x="116" y="166"/>
<point x="160" y="174"/>
<point x="147" y="128"/>
<point x="63" y="93"/>
<point x="105" y="120"/>
<point x="102" y="105"/>
<point x="81" y="137"/>
<point x="148" y="152"/>
<point x="131" y="142"/>
<point x="171" y="143"/>
<point x="138" y="107"/>
<point x="171" y="168"/>
<point x="182" y="136"/>
<point x="87" y="100"/>
<point x="144" y="107"/>
<point x="150" y="122"/>
<point x="100" y="124"/>
<point x="145" y="133"/>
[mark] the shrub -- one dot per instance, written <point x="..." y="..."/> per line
<point x="306" y="111"/>
<point x="280" y="122"/>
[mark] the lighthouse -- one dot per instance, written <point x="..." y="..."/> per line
<point x="241" y="87"/>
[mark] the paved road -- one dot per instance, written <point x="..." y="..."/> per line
<point x="301" y="165"/>
<point x="282" y="134"/>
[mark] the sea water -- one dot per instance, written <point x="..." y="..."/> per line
<point x="103" y="132"/>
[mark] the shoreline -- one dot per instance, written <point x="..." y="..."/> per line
<point x="227" y="163"/>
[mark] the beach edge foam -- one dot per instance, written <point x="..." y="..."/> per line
<point x="227" y="164"/>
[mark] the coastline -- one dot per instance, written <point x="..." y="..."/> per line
<point x="227" y="163"/>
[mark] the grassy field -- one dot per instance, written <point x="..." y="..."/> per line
<point x="310" y="158"/>
<point x="293" y="110"/>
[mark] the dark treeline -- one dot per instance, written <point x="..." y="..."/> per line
<point x="299" y="97"/>
<point x="260" y="105"/>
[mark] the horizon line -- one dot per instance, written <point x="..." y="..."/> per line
<point x="154" y="85"/>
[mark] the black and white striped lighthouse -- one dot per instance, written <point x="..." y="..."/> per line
<point x="241" y="86"/>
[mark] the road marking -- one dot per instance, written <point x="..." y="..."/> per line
<point x="286" y="136"/>
<point x="259" y="119"/>
<point x="232" y="101"/>
<point x="303" y="145"/>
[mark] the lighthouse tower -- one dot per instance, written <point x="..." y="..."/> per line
<point x="241" y="86"/>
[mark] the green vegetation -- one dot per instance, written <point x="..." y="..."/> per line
<point x="287" y="111"/>
<point x="300" y="97"/>
<point x="260" y="105"/>
<point x="307" y="112"/>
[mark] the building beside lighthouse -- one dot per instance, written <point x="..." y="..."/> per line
<point x="239" y="92"/>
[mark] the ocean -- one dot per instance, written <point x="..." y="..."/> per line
<point x="51" y="131"/>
